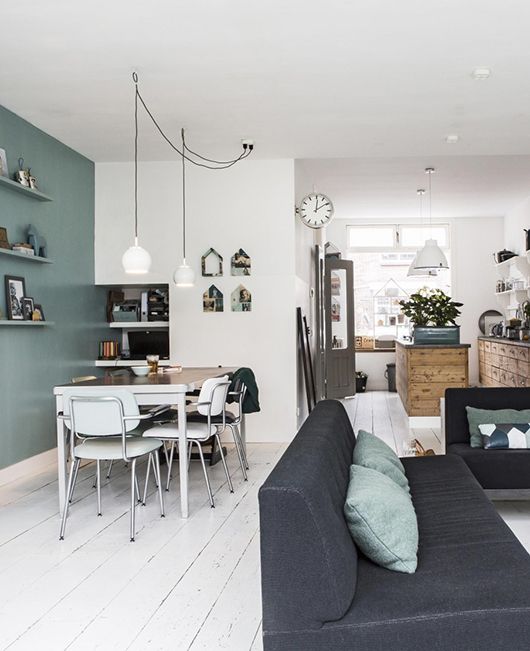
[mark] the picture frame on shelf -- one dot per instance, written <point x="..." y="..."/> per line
<point x="38" y="313"/>
<point x="4" y="170"/>
<point x="27" y="308"/>
<point x="15" y="291"/>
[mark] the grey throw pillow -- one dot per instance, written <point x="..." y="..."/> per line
<point x="476" y="417"/>
<point x="371" y="452"/>
<point x="382" y="520"/>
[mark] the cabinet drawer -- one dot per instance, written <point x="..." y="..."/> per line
<point x="495" y="360"/>
<point x="522" y="381"/>
<point x="523" y="368"/>
<point x="487" y="346"/>
<point x="511" y="351"/>
<point x="521" y="353"/>
<point x="495" y="373"/>
<point x="508" y="379"/>
<point x="494" y="347"/>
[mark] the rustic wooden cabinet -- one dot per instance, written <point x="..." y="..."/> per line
<point x="503" y="363"/>
<point x="423" y="373"/>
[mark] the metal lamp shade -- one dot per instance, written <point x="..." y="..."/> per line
<point x="136" y="260"/>
<point x="420" y="272"/>
<point x="431" y="257"/>
<point x="184" y="276"/>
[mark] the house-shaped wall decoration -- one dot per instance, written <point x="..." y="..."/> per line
<point x="241" y="299"/>
<point x="212" y="300"/>
<point x="212" y="263"/>
<point x="240" y="264"/>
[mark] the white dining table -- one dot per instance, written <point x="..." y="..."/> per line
<point x="169" y="387"/>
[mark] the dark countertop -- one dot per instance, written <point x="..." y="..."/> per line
<point x="503" y="340"/>
<point x="409" y="344"/>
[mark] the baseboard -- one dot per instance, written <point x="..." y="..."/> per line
<point x="31" y="466"/>
<point x="418" y="422"/>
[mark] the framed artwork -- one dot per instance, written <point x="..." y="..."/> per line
<point x="38" y="313"/>
<point x="240" y="263"/>
<point x="27" y="308"/>
<point x="15" y="292"/>
<point x="213" y="300"/>
<point x="4" y="242"/>
<point x="212" y="263"/>
<point x="241" y="299"/>
<point x="3" y="163"/>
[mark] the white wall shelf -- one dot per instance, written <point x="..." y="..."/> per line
<point x="33" y="324"/>
<point x="23" y="256"/>
<point x="139" y="325"/>
<point x="8" y="184"/>
<point x="517" y="266"/>
<point x="121" y="363"/>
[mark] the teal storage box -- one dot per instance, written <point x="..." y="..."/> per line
<point x="431" y="335"/>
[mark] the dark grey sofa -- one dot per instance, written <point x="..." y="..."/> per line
<point x="471" y="591"/>
<point x="494" y="469"/>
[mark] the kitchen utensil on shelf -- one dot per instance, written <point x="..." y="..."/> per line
<point x="527" y="238"/>
<point x="502" y="256"/>
<point x="140" y="371"/>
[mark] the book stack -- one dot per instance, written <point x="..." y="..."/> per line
<point x="23" y="249"/>
<point x="109" y="350"/>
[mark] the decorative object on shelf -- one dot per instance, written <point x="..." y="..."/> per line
<point x="38" y="313"/>
<point x="212" y="300"/>
<point x="22" y="175"/>
<point x="335" y="310"/>
<point x="335" y="284"/>
<point x="240" y="264"/>
<point x="315" y="210"/>
<point x="15" y="292"/>
<point x="184" y="275"/>
<point x="4" y="171"/>
<point x="136" y="260"/>
<point x="502" y="256"/>
<point x="27" y="308"/>
<point x="109" y="350"/>
<point x="212" y="263"/>
<point x="431" y="256"/>
<point x="37" y="241"/>
<point x="24" y="249"/>
<point x="241" y="299"/>
<point x="433" y="315"/>
<point x="32" y="181"/>
<point x="4" y="242"/>
<point x="126" y="311"/>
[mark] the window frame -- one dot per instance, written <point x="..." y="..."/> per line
<point x="398" y="230"/>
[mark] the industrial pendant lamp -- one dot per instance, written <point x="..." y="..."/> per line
<point x="136" y="260"/>
<point x="184" y="275"/>
<point x="431" y="256"/>
<point x="412" y="270"/>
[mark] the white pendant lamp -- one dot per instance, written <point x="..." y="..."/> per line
<point x="136" y="260"/>
<point x="412" y="270"/>
<point x="184" y="275"/>
<point x="431" y="256"/>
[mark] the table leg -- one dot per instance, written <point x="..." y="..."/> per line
<point x="183" y="454"/>
<point x="61" y="453"/>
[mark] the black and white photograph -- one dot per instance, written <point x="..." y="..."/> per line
<point x="4" y="170"/>
<point x="240" y="263"/>
<point x="15" y="292"/>
<point x="27" y="308"/>
<point x="241" y="299"/>
<point x="212" y="263"/>
<point x="213" y="300"/>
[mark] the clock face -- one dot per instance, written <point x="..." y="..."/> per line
<point x="316" y="210"/>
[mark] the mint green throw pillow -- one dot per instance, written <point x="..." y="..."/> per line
<point x="382" y="520"/>
<point x="476" y="417"/>
<point x="371" y="452"/>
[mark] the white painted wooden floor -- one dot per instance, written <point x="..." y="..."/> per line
<point x="183" y="584"/>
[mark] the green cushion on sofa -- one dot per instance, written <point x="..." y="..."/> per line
<point x="382" y="520"/>
<point x="476" y="417"/>
<point x="371" y="452"/>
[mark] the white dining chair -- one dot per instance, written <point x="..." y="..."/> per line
<point x="212" y="405"/>
<point x="101" y="422"/>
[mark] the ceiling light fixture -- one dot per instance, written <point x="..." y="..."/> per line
<point x="136" y="260"/>
<point x="481" y="73"/>
<point x="431" y="256"/>
<point x="412" y="270"/>
<point x="452" y="138"/>
<point x="184" y="275"/>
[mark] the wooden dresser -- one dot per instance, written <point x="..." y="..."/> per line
<point x="503" y="363"/>
<point x="423" y="373"/>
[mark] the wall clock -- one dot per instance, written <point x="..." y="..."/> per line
<point x="315" y="210"/>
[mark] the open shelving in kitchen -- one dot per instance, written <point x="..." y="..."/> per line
<point x="8" y="184"/>
<point x="23" y="256"/>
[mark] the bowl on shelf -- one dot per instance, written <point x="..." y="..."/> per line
<point x="140" y="371"/>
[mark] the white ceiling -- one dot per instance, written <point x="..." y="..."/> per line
<point x="305" y="78"/>
<point x="462" y="186"/>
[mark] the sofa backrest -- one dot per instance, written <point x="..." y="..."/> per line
<point x="308" y="558"/>
<point x="456" y="401"/>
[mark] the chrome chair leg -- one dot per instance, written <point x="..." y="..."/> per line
<point x="69" y="493"/>
<point x="243" y="449"/>
<point x="170" y="464"/>
<point x="205" y="473"/>
<point x="109" y="470"/>
<point x="156" y="472"/>
<point x="217" y="438"/>
<point x="133" y="498"/>
<point x="237" y="443"/>
<point x="137" y="487"/>
<point x="189" y="454"/>
<point x="146" y="478"/>
<point x="98" y="482"/>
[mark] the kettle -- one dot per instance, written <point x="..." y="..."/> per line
<point x="502" y="256"/>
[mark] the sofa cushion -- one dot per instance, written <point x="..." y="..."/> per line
<point x="504" y="436"/>
<point x="371" y="452"/>
<point x="381" y="520"/>
<point x="478" y="417"/>
<point x="495" y="469"/>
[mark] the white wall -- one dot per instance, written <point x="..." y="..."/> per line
<point x="473" y="240"/>
<point x="515" y="221"/>
<point x="251" y="206"/>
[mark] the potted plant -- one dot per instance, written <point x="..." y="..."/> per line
<point x="433" y="315"/>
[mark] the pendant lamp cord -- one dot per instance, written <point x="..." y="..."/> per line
<point x="430" y="201"/>
<point x="183" y="198"/>
<point x="135" y="79"/>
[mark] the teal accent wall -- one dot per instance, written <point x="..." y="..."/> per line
<point x="33" y="360"/>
